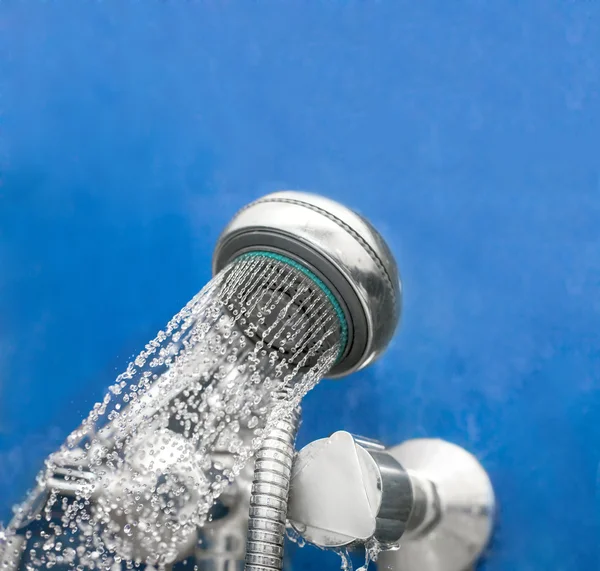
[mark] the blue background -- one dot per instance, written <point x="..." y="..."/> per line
<point x="467" y="131"/>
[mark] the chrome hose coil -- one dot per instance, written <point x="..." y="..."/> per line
<point x="269" y="499"/>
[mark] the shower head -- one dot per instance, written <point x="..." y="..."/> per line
<point x="341" y="249"/>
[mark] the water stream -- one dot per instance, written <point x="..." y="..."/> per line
<point x="133" y="483"/>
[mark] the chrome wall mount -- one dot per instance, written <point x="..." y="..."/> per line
<point x="459" y="512"/>
<point x="427" y="503"/>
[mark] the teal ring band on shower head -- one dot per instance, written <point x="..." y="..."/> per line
<point x="319" y="283"/>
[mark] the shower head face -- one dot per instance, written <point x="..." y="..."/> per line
<point x="287" y="308"/>
<point x="341" y="248"/>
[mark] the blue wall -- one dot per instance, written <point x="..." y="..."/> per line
<point x="467" y="131"/>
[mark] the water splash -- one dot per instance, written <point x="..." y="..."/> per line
<point x="372" y="550"/>
<point x="293" y="536"/>
<point x="345" y="559"/>
<point x="137" y="479"/>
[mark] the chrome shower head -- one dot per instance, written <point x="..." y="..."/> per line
<point x="340" y="248"/>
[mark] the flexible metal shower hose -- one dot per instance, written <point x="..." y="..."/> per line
<point x="269" y="499"/>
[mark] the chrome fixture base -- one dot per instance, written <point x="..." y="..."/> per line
<point x="341" y="248"/>
<point x="458" y="534"/>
